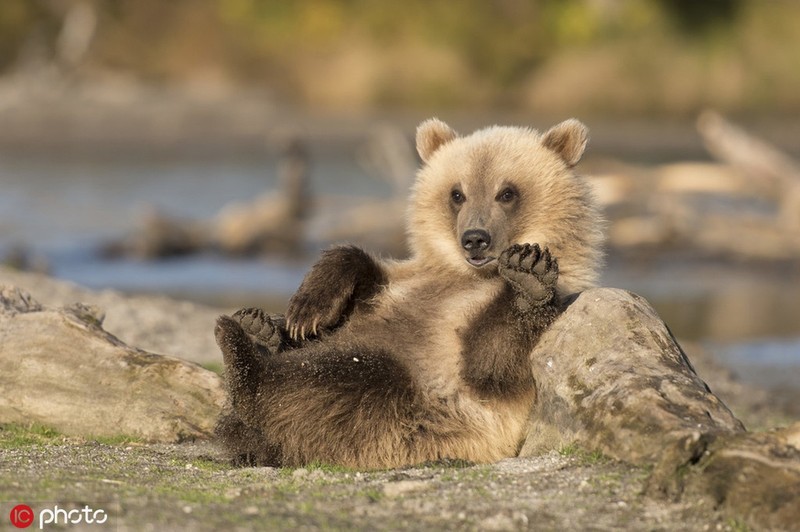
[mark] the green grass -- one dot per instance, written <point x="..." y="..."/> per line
<point x="588" y="457"/>
<point x="13" y="436"/>
<point x="216" y="367"/>
<point x="737" y="525"/>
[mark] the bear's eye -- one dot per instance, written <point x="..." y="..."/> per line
<point x="507" y="195"/>
<point x="457" y="196"/>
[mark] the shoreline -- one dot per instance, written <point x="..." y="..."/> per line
<point x="104" y="119"/>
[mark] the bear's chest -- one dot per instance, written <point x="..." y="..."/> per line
<point x="422" y="323"/>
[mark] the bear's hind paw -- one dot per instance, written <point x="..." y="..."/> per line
<point x="262" y="329"/>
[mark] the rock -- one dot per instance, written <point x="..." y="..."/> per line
<point x="754" y="477"/>
<point x="400" y="488"/>
<point x="611" y="378"/>
<point x="59" y="368"/>
<point x="155" y="323"/>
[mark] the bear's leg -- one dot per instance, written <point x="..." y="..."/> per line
<point x="498" y="341"/>
<point x="245" y="444"/>
<point x="244" y="363"/>
<point x="246" y="340"/>
<point x="344" y="278"/>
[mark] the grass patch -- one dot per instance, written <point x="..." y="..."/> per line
<point x="373" y="494"/>
<point x="737" y="525"/>
<point x="569" y="450"/>
<point x="216" y="367"/>
<point x="587" y="457"/>
<point x="14" y="436"/>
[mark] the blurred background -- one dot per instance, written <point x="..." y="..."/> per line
<point x="208" y="149"/>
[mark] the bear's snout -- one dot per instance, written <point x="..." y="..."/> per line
<point x="475" y="241"/>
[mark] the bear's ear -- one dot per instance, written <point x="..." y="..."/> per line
<point x="568" y="139"/>
<point x="431" y="135"/>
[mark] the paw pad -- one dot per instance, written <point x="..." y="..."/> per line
<point x="531" y="270"/>
<point x="257" y="324"/>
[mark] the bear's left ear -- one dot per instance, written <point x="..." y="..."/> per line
<point x="431" y="135"/>
<point x="568" y="139"/>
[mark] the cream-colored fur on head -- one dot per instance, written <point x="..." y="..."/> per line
<point x="555" y="209"/>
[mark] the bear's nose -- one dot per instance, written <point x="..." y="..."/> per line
<point x="475" y="240"/>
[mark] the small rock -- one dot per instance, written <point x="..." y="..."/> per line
<point x="497" y="522"/>
<point x="401" y="487"/>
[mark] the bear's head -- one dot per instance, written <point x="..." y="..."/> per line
<point x="478" y="194"/>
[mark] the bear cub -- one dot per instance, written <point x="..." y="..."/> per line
<point x="382" y="363"/>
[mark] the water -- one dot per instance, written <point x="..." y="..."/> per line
<point x="767" y="363"/>
<point x="62" y="208"/>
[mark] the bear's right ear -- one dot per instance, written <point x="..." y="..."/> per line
<point x="431" y="135"/>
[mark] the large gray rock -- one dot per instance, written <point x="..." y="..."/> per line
<point x="59" y="368"/>
<point x="611" y="378"/>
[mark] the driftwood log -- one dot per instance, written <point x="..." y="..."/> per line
<point x="60" y="369"/>
<point x="745" y="206"/>
<point x="611" y="378"/>
<point x="274" y="222"/>
<point x="770" y="167"/>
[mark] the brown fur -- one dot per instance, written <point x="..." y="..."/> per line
<point x="385" y="363"/>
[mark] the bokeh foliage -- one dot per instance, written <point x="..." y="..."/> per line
<point x="657" y="56"/>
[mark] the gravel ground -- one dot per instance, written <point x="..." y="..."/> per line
<point x="161" y="487"/>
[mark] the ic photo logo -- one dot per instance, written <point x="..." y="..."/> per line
<point x="23" y="516"/>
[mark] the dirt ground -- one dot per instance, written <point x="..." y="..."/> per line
<point x="187" y="486"/>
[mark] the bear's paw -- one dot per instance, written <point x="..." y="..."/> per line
<point x="261" y="329"/>
<point x="531" y="271"/>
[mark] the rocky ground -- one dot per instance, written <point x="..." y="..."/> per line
<point x="161" y="487"/>
<point x="189" y="485"/>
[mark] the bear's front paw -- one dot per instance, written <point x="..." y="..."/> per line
<point x="531" y="271"/>
<point x="310" y="312"/>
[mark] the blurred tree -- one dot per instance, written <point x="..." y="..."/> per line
<point x="638" y="55"/>
<point x="19" y="19"/>
<point x="696" y="17"/>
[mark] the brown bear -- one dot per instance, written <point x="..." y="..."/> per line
<point x="381" y="363"/>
